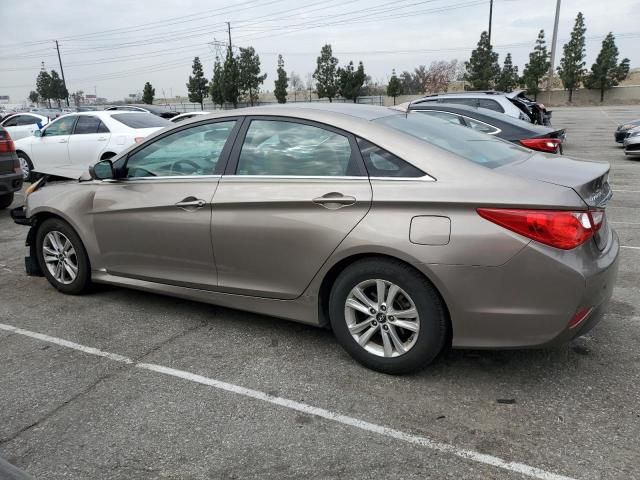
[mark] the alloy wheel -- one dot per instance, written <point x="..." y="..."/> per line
<point x="60" y="257"/>
<point x="26" y="170"/>
<point x="382" y="318"/>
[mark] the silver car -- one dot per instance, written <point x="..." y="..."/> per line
<point x="632" y="142"/>
<point x="403" y="233"/>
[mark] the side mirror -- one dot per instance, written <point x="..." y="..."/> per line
<point x="37" y="133"/>
<point x="102" y="170"/>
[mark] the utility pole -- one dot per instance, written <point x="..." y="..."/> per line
<point x="62" y="72"/>
<point x="490" y="18"/>
<point x="553" y="49"/>
<point x="229" y="30"/>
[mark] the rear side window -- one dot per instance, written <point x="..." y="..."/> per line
<point x="27" y="120"/>
<point x="11" y="122"/>
<point x="280" y="148"/>
<point x="490" y="104"/>
<point x="89" y="124"/>
<point x="481" y="126"/>
<point x="449" y="117"/>
<point x="471" y="102"/>
<point x="140" y="120"/>
<point x="381" y="163"/>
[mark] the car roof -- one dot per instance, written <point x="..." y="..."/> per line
<point x="356" y="110"/>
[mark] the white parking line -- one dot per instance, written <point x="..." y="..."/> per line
<point x="625" y="191"/>
<point x="472" y="455"/>
<point x="627" y="246"/>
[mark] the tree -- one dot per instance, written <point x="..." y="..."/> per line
<point x="571" y="70"/>
<point x="326" y="74"/>
<point x="34" y="97"/>
<point x="197" y="84"/>
<point x="296" y="85"/>
<point x="606" y="72"/>
<point x="43" y="86"/>
<point x="537" y="67"/>
<point x="439" y="75"/>
<point x="148" y="93"/>
<point x="394" y="88"/>
<point x="57" y="89"/>
<point x="249" y="73"/>
<point x="230" y="79"/>
<point x="482" y="67"/>
<point x="350" y="81"/>
<point x="281" y="82"/>
<point x="78" y="97"/>
<point x="408" y="83"/>
<point x="508" y="78"/>
<point x="420" y="78"/>
<point x="215" y="88"/>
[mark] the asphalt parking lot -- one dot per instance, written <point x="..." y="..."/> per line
<point x="256" y="397"/>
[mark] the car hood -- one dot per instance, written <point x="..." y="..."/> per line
<point x="588" y="179"/>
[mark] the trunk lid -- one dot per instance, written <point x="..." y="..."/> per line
<point x="590" y="180"/>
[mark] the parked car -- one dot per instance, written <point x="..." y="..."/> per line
<point x="22" y="125"/>
<point x="10" y="173"/>
<point x="86" y="108"/>
<point x="185" y="116"/>
<point x="535" y="137"/>
<point x="403" y="233"/>
<point x="154" y="109"/>
<point x="632" y="142"/>
<point x="50" y="113"/>
<point x="514" y="104"/>
<point x="624" y="130"/>
<point x="68" y="145"/>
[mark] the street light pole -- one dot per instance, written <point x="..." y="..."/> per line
<point x="553" y="50"/>
<point x="490" y="18"/>
<point x="62" y="72"/>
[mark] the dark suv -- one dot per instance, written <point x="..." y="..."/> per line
<point x="10" y="171"/>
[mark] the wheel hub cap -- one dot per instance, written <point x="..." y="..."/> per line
<point x="60" y="257"/>
<point x="382" y="318"/>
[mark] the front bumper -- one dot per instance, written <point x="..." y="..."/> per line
<point x="620" y="135"/>
<point x="31" y="265"/>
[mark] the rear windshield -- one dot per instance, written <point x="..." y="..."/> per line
<point x="478" y="147"/>
<point x="140" y="120"/>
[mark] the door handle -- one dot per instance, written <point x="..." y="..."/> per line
<point x="102" y="139"/>
<point x="191" y="203"/>
<point x="64" y="140"/>
<point x="334" y="200"/>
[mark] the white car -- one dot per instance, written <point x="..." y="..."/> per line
<point x="185" y="116"/>
<point x="67" y="146"/>
<point x="20" y="125"/>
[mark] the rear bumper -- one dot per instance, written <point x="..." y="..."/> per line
<point x="10" y="182"/>
<point x="530" y="300"/>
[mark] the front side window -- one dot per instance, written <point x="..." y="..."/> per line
<point x="89" y="124"/>
<point x="273" y="147"/>
<point x="381" y="163"/>
<point x="24" y="120"/>
<point x="192" y="151"/>
<point x="62" y="126"/>
<point x="140" y="120"/>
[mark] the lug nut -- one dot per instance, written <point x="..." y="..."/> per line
<point x="383" y="308"/>
<point x="391" y="318"/>
<point x="374" y="323"/>
<point x="385" y="327"/>
<point x="372" y="311"/>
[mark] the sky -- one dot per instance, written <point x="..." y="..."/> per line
<point x="112" y="47"/>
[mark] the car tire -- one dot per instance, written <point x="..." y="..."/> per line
<point x="6" y="200"/>
<point x="67" y="269"/>
<point x="25" y="161"/>
<point x="422" y="338"/>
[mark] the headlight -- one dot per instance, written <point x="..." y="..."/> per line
<point x="635" y="134"/>
<point x="627" y="126"/>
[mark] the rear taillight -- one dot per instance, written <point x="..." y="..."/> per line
<point x="6" y="144"/>
<point x="549" y="145"/>
<point x="558" y="228"/>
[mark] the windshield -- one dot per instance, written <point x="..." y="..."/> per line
<point x="140" y="120"/>
<point x="477" y="147"/>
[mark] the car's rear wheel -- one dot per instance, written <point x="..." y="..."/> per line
<point x="27" y="167"/>
<point x="62" y="257"/>
<point x="387" y="316"/>
<point x="6" y="200"/>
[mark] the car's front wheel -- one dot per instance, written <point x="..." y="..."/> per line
<point x="26" y="166"/>
<point x="387" y="316"/>
<point x="6" y="200"/>
<point x="62" y="257"/>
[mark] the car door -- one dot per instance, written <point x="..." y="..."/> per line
<point x="292" y="192"/>
<point x="154" y="221"/>
<point x="52" y="148"/>
<point x="88" y="140"/>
